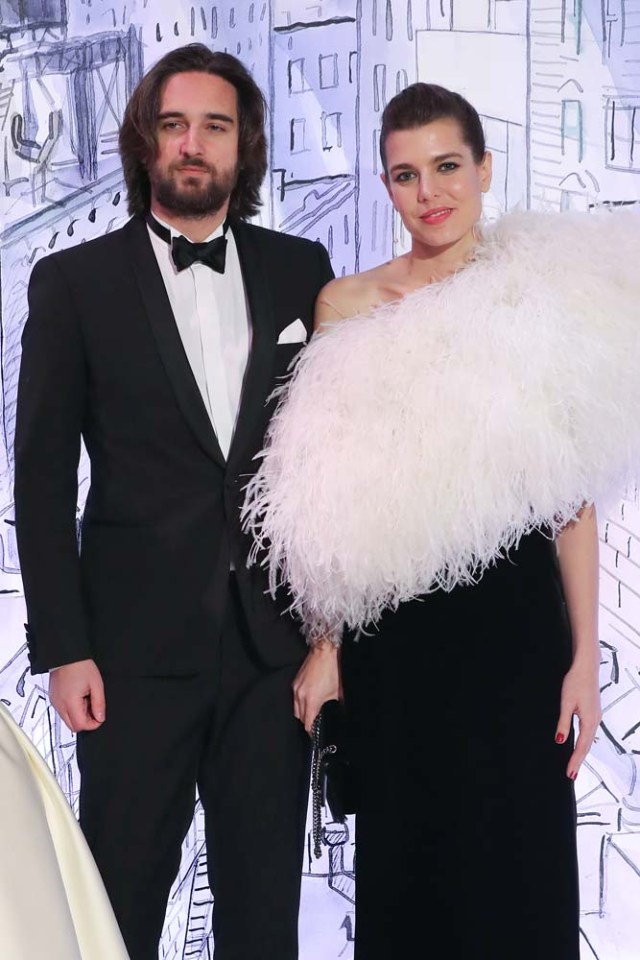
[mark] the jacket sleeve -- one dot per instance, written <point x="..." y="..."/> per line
<point x="50" y="412"/>
<point x="326" y="270"/>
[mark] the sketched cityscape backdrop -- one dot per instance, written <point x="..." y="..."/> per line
<point x="557" y="83"/>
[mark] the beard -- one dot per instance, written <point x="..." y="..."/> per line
<point x="196" y="197"/>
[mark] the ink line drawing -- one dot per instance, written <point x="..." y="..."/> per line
<point x="557" y="83"/>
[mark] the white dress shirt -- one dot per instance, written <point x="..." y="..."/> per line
<point x="212" y="316"/>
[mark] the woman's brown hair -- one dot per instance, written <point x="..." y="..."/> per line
<point x="137" y="140"/>
<point x="422" y="103"/>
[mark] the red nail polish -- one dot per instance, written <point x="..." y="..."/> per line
<point x="559" y="737"/>
<point x="572" y="776"/>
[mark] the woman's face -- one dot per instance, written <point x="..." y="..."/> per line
<point x="436" y="185"/>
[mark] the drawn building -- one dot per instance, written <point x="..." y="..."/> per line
<point x="585" y="91"/>
<point x="68" y="70"/>
<point x="314" y="145"/>
<point x="559" y="100"/>
<point x="490" y="32"/>
<point x="609" y="784"/>
<point x="62" y="99"/>
<point x="61" y="103"/>
<point x="388" y="50"/>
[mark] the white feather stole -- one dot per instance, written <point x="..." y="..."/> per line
<point x="415" y="444"/>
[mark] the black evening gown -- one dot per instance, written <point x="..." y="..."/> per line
<point x="466" y="827"/>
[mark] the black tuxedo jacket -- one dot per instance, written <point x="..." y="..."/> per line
<point x="103" y="360"/>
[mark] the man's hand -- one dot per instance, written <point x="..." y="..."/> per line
<point x="317" y="681"/>
<point x="76" y="691"/>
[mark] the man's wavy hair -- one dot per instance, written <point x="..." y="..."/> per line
<point x="138" y="144"/>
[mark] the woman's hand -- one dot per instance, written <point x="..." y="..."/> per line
<point x="577" y="547"/>
<point x="317" y="681"/>
<point x="581" y="698"/>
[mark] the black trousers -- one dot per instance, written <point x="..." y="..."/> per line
<point x="233" y="735"/>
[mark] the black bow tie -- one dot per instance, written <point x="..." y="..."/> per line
<point x="212" y="253"/>
<point x="184" y="253"/>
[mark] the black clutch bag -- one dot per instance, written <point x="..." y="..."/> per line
<point x="332" y="773"/>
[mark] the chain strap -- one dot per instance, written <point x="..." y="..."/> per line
<point x="317" y="792"/>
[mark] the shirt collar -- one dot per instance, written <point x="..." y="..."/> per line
<point x="177" y="233"/>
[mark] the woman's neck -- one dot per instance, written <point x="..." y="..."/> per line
<point x="428" y="265"/>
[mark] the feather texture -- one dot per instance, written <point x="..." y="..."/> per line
<point x="412" y="445"/>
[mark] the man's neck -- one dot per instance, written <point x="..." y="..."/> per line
<point x="195" y="229"/>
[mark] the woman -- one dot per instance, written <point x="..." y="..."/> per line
<point x="52" y="902"/>
<point x="428" y="482"/>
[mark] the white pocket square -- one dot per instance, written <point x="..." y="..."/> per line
<point x="296" y="332"/>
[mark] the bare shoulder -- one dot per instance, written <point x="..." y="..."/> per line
<point x="347" y="296"/>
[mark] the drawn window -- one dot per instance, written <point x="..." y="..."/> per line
<point x="331" y="131"/>
<point x="376" y="152"/>
<point x="572" y="24"/>
<point x="353" y="66"/>
<point x="374" y="226"/>
<point x="388" y="21"/>
<point x="572" y="139"/>
<point x="109" y="96"/>
<point x="379" y="87"/>
<point x="616" y="24"/>
<point x="495" y="134"/>
<point x="31" y="14"/>
<point x="297" y="134"/>
<point x="91" y="100"/>
<point x="402" y="81"/>
<point x="297" y="80"/>
<point x="329" y="71"/>
<point x="623" y="126"/>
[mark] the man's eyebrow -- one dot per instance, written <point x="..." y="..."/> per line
<point x="179" y="114"/>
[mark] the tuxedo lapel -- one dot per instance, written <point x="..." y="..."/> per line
<point x="168" y="340"/>
<point x="257" y="383"/>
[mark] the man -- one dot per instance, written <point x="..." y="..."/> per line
<point x="160" y="344"/>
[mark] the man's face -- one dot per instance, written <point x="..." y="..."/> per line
<point x="196" y="166"/>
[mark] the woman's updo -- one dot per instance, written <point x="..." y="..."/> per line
<point x="422" y="103"/>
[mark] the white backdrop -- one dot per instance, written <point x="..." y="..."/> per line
<point x="557" y="83"/>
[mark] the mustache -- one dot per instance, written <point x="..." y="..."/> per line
<point x="193" y="162"/>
